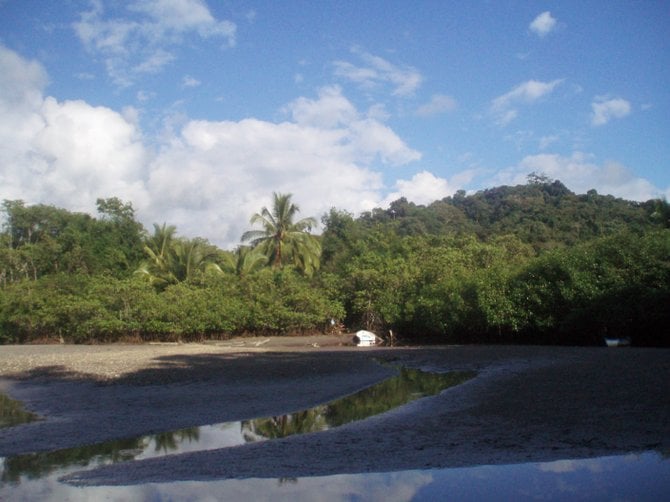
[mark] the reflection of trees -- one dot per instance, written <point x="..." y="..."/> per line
<point x="407" y="386"/>
<point x="170" y="441"/>
<point x="12" y="412"/>
<point x="37" y="465"/>
<point x="301" y="422"/>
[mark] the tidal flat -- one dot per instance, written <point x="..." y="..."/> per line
<point x="524" y="404"/>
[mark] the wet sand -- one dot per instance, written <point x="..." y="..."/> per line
<point x="526" y="404"/>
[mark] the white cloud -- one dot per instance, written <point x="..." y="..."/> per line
<point x="154" y="62"/>
<point x="606" y="109"/>
<point x="423" y="188"/>
<point x="504" y="107"/>
<point x="189" y="81"/>
<point x="21" y="81"/>
<point x="205" y="177"/>
<point x="580" y="173"/>
<point x="183" y="16"/>
<point x="63" y="153"/>
<point x="377" y="71"/>
<point x="332" y="109"/>
<point x="214" y="175"/>
<point x="139" y="39"/>
<point x="439" y="103"/>
<point x="543" y="24"/>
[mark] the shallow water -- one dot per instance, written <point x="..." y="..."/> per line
<point x="630" y="477"/>
<point x="408" y="385"/>
<point x="635" y="477"/>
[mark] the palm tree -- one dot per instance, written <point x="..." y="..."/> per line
<point x="244" y="261"/>
<point x="158" y="248"/>
<point x="191" y="256"/>
<point x="282" y="240"/>
<point x="172" y="260"/>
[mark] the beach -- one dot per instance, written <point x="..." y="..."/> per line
<point x="525" y="404"/>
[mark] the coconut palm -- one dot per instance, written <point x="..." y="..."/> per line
<point x="171" y="260"/>
<point x="158" y="248"/>
<point x="282" y="240"/>
<point x="191" y="256"/>
<point x="244" y="261"/>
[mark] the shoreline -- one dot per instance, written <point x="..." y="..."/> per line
<point x="525" y="404"/>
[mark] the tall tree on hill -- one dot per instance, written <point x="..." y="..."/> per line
<point x="282" y="240"/>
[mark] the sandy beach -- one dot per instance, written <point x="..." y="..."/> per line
<point x="525" y="404"/>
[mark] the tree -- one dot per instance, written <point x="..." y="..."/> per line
<point x="118" y="236"/>
<point x="282" y="240"/>
<point x="173" y="260"/>
<point x="661" y="212"/>
<point x="243" y="261"/>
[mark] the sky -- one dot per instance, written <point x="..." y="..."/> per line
<point x="197" y="111"/>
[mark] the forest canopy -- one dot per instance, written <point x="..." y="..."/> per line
<point x="533" y="263"/>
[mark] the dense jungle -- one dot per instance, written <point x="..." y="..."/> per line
<point x="533" y="263"/>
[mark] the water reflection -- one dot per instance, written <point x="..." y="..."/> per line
<point x="12" y="412"/>
<point x="642" y="476"/>
<point x="408" y="385"/>
<point x="38" y="465"/>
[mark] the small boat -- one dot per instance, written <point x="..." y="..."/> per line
<point x="365" y="338"/>
<point x="617" y="342"/>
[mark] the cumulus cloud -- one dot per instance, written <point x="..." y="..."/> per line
<point x="332" y="109"/>
<point x="205" y="177"/>
<point x="580" y="173"/>
<point x="543" y="24"/>
<point x="377" y="71"/>
<point x="605" y="109"/>
<point x="423" y="188"/>
<point x="215" y="174"/>
<point x="63" y="153"/>
<point x="504" y="107"/>
<point x="139" y="38"/>
<point x="439" y="103"/>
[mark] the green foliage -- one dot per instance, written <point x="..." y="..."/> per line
<point x="172" y="260"/>
<point x="284" y="241"/>
<point x="41" y="240"/>
<point x="528" y="264"/>
<point x="83" y="309"/>
<point x="244" y="261"/>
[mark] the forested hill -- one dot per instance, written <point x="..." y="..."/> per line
<point x="534" y="263"/>
<point x="544" y="214"/>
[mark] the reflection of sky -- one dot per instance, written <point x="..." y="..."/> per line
<point x="630" y="477"/>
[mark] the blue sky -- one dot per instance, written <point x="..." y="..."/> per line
<point x="196" y="111"/>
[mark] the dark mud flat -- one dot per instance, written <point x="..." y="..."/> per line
<point x="526" y="404"/>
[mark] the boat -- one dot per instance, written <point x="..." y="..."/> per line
<point x="364" y="338"/>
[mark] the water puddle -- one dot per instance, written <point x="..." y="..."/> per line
<point x="408" y="385"/>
